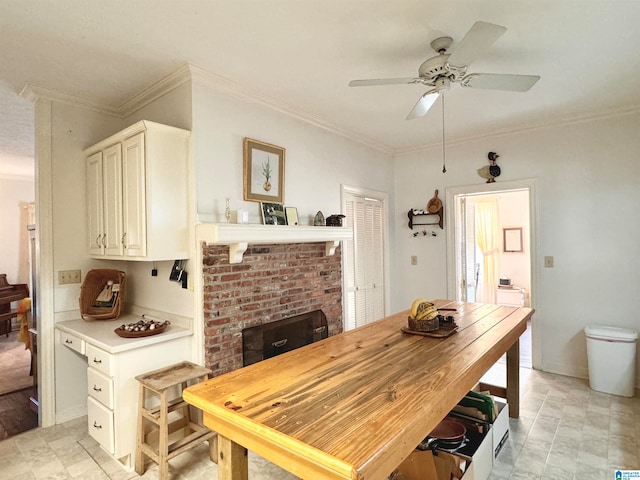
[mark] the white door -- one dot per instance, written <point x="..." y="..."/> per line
<point x="364" y="261"/>
<point x="134" y="196"/>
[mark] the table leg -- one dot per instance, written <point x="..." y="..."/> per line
<point x="513" y="379"/>
<point x="233" y="463"/>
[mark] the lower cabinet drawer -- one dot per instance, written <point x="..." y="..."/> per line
<point x="101" y="427"/>
<point x="100" y="360"/>
<point x="100" y="387"/>
<point x="72" y="342"/>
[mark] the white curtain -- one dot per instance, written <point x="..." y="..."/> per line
<point x="488" y="240"/>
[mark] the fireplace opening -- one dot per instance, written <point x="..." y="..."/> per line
<point x="270" y="339"/>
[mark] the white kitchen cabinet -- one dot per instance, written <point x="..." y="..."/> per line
<point x="112" y="365"/>
<point x="137" y="195"/>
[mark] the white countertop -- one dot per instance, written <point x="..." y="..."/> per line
<point x="101" y="334"/>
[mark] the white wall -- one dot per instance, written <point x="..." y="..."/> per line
<point x="587" y="200"/>
<point x="317" y="162"/>
<point x="14" y="240"/>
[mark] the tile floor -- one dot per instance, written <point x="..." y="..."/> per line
<point x="565" y="431"/>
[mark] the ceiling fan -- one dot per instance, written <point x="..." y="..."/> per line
<point x="444" y="69"/>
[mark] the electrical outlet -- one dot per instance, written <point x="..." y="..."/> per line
<point x="548" y="262"/>
<point x="66" y="277"/>
<point x="414" y="260"/>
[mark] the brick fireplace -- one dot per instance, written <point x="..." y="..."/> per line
<point x="273" y="282"/>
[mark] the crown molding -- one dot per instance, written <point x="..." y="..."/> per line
<point x="561" y="122"/>
<point x="190" y="72"/>
<point x="155" y="91"/>
<point x="222" y="84"/>
<point x="35" y="92"/>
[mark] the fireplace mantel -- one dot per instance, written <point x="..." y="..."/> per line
<point x="239" y="236"/>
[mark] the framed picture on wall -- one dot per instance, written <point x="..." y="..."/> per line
<point x="272" y="213"/>
<point x="512" y="238"/>
<point x="263" y="172"/>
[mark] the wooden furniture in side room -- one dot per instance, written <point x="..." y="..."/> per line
<point x="9" y="293"/>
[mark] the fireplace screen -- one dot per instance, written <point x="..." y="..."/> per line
<point x="271" y="339"/>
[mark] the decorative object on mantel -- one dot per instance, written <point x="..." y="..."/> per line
<point x="318" y="221"/>
<point x="335" y="220"/>
<point x="292" y="216"/>
<point x="263" y="172"/>
<point x="491" y="171"/>
<point x="227" y="210"/>
<point x="272" y="213"/>
<point x="429" y="218"/>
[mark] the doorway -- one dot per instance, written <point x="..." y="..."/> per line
<point x="478" y="261"/>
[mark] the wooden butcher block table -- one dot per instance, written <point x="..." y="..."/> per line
<point x="355" y="405"/>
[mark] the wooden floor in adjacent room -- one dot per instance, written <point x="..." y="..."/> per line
<point x="15" y="414"/>
<point x="16" y="385"/>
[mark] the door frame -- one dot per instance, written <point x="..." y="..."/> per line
<point x="526" y="184"/>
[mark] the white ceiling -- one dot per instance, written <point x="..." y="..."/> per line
<point x="303" y="53"/>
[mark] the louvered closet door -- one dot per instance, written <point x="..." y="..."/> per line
<point x="364" y="262"/>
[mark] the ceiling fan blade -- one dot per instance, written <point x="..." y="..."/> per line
<point x="497" y="81"/>
<point x="477" y="40"/>
<point x="424" y="104"/>
<point x="382" y="81"/>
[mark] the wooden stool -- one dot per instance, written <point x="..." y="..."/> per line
<point x="160" y="450"/>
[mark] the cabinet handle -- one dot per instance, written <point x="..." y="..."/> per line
<point x="279" y="343"/>
<point x="96" y="389"/>
<point x="95" y="425"/>
<point x="67" y="341"/>
<point x="95" y="360"/>
<point x="124" y="236"/>
<point x="104" y="240"/>
<point x="98" y="240"/>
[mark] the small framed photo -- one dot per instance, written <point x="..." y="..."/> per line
<point x="263" y="172"/>
<point x="292" y="215"/>
<point x="272" y="213"/>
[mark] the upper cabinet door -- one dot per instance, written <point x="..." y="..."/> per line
<point x="134" y="196"/>
<point x="112" y="185"/>
<point x="95" y="230"/>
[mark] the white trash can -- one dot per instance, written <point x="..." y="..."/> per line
<point x="611" y="355"/>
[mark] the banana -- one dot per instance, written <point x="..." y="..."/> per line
<point x="427" y="314"/>
<point x="419" y="307"/>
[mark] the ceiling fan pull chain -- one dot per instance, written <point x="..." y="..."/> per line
<point x="444" y="166"/>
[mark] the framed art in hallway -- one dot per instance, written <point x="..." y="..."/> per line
<point x="263" y="172"/>
<point x="512" y="238"/>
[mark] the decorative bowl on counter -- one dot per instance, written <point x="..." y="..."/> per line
<point x="142" y="328"/>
